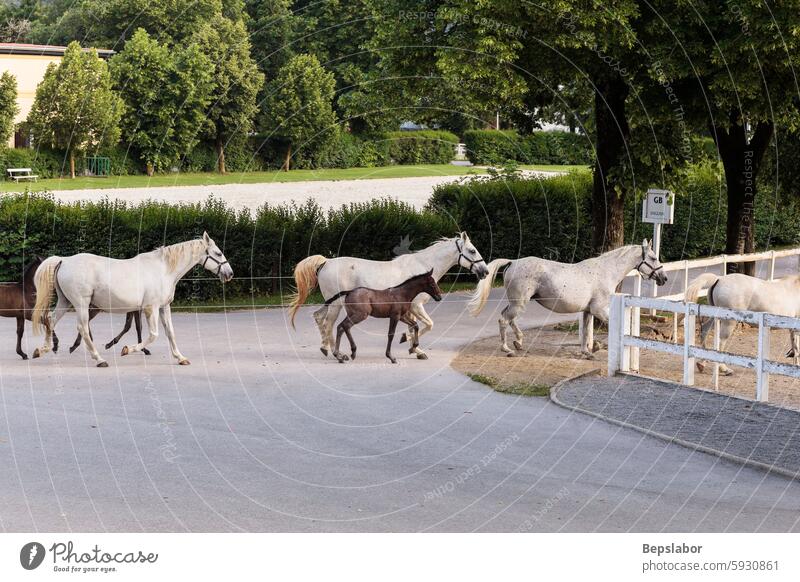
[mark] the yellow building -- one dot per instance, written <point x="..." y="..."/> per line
<point x="28" y="63"/>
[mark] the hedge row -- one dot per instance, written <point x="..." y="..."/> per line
<point x="261" y="247"/>
<point x="540" y="147"/>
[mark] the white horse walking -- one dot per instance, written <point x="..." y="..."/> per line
<point x="347" y="273"/>
<point x="565" y="288"/>
<point x="742" y="292"/>
<point x="146" y="282"/>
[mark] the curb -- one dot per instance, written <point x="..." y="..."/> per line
<point x="794" y="476"/>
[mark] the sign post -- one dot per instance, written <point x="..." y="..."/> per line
<point x="658" y="208"/>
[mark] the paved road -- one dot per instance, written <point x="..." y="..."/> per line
<point x="263" y="434"/>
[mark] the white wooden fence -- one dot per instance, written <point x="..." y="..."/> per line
<point x="623" y="343"/>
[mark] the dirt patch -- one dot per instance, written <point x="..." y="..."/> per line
<point x="552" y="354"/>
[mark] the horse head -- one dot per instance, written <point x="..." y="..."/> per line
<point x="650" y="267"/>
<point x="30" y="270"/>
<point x="432" y="287"/>
<point x="469" y="257"/>
<point x="214" y="261"/>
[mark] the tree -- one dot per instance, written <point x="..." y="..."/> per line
<point x="166" y="91"/>
<point x="236" y="81"/>
<point x="300" y="106"/>
<point x="75" y="108"/>
<point x="734" y="77"/>
<point x="272" y="26"/>
<point x="8" y="106"/>
<point x="110" y="23"/>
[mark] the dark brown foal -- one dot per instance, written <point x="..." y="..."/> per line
<point x="17" y="300"/>
<point x="393" y="303"/>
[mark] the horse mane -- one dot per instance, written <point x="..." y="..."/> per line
<point x="173" y="253"/>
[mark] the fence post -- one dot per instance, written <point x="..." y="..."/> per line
<point x="636" y="318"/>
<point x="772" y="266"/>
<point x="762" y="377"/>
<point x="688" y="342"/>
<point x="616" y="330"/>
<point x="715" y="365"/>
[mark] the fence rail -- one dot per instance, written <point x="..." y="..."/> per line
<point x="624" y="343"/>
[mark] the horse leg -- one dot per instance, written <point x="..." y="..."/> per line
<point x="413" y="331"/>
<point x="166" y="320"/>
<point x="51" y="320"/>
<point x="83" y="317"/>
<point x="515" y="307"/>
<point x="125" y="329"/>
<point x="20" y="332"/>
<point x="331" y="314"/>
<point x="92" y="314"/>
<point x="794" y="347"/>
<point x="342" y="328"/>
<point x="137" y="319"/>
<point x="151" y="313"/>
<point x="726" y="330"/>
<point x="392" y="328"/>
<point x="705" y="328"/>
<point x="586" y="337"/>
<point x="320" y="317"/>
<point x="418" y="313"/>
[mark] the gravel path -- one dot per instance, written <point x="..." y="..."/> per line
<point x="759" y="433"/>
<point x="328" y="193"/>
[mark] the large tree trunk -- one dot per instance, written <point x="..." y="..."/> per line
<point x="741" y="159"/>
<point x="288" y="161"/>
<point x="220" y="156"/>
<point x="608" y="204"/>
<point x="72" y="165"/>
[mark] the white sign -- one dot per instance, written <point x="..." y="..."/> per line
<point x="658" y="207"/>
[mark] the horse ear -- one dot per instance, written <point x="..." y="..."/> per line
<point x="645" y="243"/>
<point x="463" y="235"/>
<point x="430" y="273"/>
<point x="206" y="238"/>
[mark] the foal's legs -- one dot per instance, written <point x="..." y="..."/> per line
<point x="392" y="328"/>
<point x="20" y="332"/>
<point x="151" y="313"/>
<point x="130" y="317"/>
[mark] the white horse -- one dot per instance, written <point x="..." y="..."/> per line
<point x="737" y="291"/>
<point x="146" y="282"/>
<point x="346" y="273"/>
<point x="565" y="288"/>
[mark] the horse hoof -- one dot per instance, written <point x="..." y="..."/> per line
<point x="353" y="356"/>
<point x="125" y="351"/>
<point x="324" y="352"/>
<point x="109" y="345"/>
<point x="36" y="353"/>
<point x="184" y="362"/>
<point x="24" y="356"/>
<point x="587" y="356"/>
<point x="518" y="345"/>
<point x="422" y="356"/>
<point x="726" y="372"/>
<point x="146" y="352"/>
<point x="700" y="367"/>
<point x="55" y="349"/>
<point x="72" y="349"/>
<point x="102" y="364"/>
<point x="403" y="339"/>
<point x="597" y="346"/>
<point x="393" y="360"/>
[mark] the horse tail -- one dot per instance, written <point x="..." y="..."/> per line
<point x="305" y="278"/>
<point x="694" y="288"/>
<point x="45" y="282"/>
<point x="481" y="293"/>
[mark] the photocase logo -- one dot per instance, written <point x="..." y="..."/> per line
<point x="31" y="555"/>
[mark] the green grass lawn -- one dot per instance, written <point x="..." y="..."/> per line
<point x="551" y="168"/>
<point x="212" y="179"/>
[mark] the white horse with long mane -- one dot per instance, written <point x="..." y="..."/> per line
<point x="346" y="273"/>
<point x="145" y="282"/>
<point x="564" y="287"/>
<point x="742" y="292"/>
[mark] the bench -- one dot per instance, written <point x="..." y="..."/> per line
<point x="18" y="174"/>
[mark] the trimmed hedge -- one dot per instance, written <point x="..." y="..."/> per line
<point x="261" y="247"/>
<point x="492" y="147"/>
<point x="421" y="147"/>
<point x="51" y="164"/>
